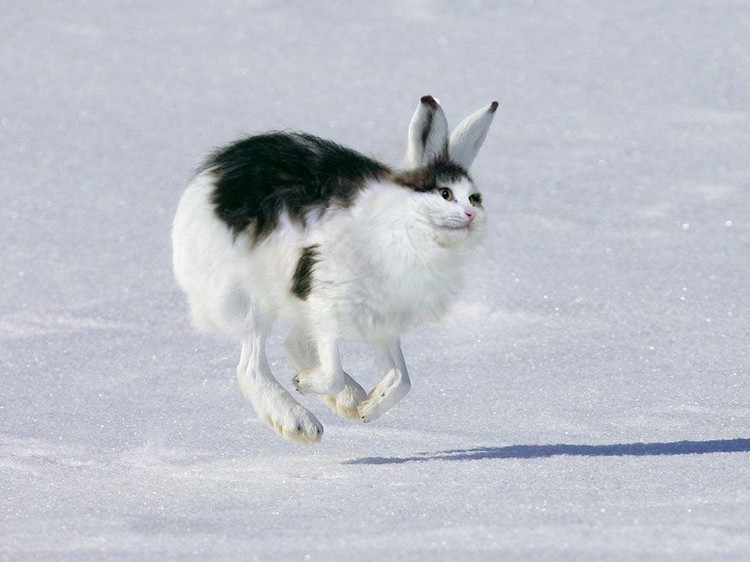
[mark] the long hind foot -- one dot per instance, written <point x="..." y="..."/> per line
<point x="345" y="403"/>
<point x="277" y="409"/>
<point x="272" y="403"/>
<point x="291" y="421"/>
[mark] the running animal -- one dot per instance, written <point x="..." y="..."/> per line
<point x="289" y="225"/>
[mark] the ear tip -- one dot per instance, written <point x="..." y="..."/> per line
<point x="493" y="107"/>
<point x="429" y="100"/>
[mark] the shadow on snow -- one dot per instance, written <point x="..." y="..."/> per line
<point x="542" y="451"/>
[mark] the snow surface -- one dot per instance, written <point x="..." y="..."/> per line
<point x="586" y="400"/>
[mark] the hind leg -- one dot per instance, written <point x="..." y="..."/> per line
<point x="304" y="356"/>
<point x="272" y="403"/>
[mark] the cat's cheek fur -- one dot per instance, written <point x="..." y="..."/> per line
<point x="450" y="227"/>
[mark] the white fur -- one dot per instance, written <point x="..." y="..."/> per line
<point x="467" y="138"/>
<point x="428" y="133"/>
<point x="389" y="261"/>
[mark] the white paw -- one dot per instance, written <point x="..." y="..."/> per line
<point x="296" y="424"/>
<point x="345" y="403"/>
<point x="391" y="388"/>
<point x="368" y="410"/>
<point x="314" y="381"/>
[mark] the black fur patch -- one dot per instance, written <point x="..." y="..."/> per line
<point x="427" y="127"/>
<point x="432" y="176"/>
<point x="302" y="279"/>
<point x="260" y="176"/>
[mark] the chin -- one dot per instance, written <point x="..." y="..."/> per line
<point x="454" y="237"/>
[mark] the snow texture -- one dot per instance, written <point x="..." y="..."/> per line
<point x="587" y="399"/>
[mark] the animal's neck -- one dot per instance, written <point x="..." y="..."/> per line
<point x="412" y="270"/>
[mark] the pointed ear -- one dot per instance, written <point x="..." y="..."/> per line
<point x="467" y="138"/>
<point x="428" y="133"/>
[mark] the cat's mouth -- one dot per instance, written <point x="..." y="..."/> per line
<point x="451" y="234"/>
<point x="455" y="227"/>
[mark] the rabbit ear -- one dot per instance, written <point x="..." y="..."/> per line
<point x="428" y="133"/>
<point x="467" y="138"/>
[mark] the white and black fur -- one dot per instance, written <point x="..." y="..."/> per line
<point x="288" y="225"/>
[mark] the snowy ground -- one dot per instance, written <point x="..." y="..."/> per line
<point x="588" y="399"/>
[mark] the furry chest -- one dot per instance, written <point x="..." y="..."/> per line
<point x="391" y="307"/>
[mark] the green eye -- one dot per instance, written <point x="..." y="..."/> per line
<point x="475" y="199"/>
<point x="446" y="193"/>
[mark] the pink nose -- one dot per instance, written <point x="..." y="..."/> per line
<point x="471" y="215"/>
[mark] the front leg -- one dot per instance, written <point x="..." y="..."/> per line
<point x="394" y="385"/>
<point x="327" y="377"/>
<point x="304" y="357"/>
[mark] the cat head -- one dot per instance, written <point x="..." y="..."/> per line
<point x="447" y="200"/>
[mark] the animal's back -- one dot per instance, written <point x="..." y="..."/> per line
<point x="260" y="177"/>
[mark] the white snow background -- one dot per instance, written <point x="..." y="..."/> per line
<point x="587" y="399"/>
